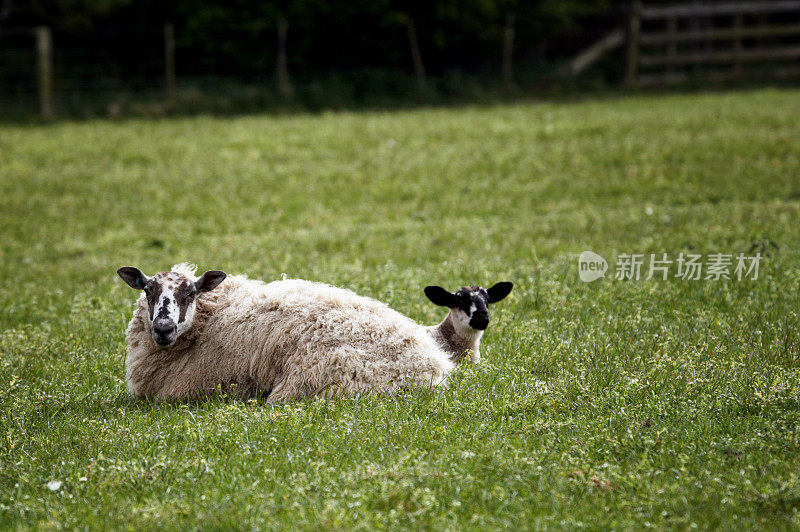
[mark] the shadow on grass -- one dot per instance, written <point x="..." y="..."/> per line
<point x="210" y="103"/>
<point x="54" y="409"/>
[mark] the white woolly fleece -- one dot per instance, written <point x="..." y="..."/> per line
<point x="285" y="340"/>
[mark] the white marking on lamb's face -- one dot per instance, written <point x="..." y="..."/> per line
<point x="471" y="312"/>
<point x="170" y="299"/>
<point x="461" y="318"/>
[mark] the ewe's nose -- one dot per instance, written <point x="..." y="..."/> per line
<point x="164" y="330"/>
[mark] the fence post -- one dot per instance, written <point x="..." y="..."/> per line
<point x="284" y="85"/>
<point x="44" y="51"/>
<point x="508" y="53"/>
<point x="633" y="29"/>
<point x="416" y="55"/>
<point x="169" y="63"/>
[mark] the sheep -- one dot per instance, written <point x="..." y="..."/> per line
<point x="459" y="334"/>
<point x="283" y="341"/>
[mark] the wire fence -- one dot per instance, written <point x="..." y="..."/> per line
<point x="88" y="71"/>
<point x="155" y="71"/>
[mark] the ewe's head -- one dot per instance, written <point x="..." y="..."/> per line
<point x="171" y="298"/>
<point x="469" y="306"/>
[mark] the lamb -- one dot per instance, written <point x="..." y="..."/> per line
<point x="281" y="341"/>
<point x="459" y="334"/>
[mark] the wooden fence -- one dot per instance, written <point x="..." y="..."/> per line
<point x="669" y="44"/>
<point x="662" y="44"/>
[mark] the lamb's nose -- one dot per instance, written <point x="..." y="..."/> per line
<point x="479" y="321"/>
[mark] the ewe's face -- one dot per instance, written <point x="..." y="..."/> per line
<point x="170" y="306"/>
<point x="469" y="306"/>
<point x="171" y="300"/>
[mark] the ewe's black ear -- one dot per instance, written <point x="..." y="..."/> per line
<point x="499" y="291"/>
<point x="440" y="296"/>
<point x="209" y="280"/>
<point x="133" y="276"/>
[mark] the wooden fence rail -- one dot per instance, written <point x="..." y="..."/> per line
<point x="720" y="34"/>
<point x="727" y="8"/>
<point x="667" y="40"/>
<point x="721" y="57"/>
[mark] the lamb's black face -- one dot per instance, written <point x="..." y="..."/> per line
<point x="474" y="302"/>
<point x="470" y="304"/>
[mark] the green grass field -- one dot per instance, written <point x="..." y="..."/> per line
<point x="624" y="404"/>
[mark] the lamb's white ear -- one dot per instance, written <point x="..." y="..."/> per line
<point x="209" y="280"/>
<point x="133" y="276"/>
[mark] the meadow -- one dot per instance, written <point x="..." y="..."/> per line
<point x="613" y="404"/>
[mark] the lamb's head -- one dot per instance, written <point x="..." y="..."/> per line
<point x="171" y="299"/>
<point x="469" y="306"/>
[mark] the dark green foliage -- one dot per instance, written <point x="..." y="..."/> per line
<point x="109" y="56"/>
<point x="238" y="37"/>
